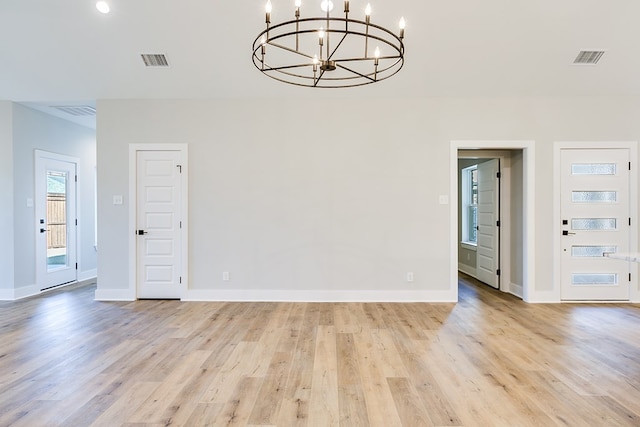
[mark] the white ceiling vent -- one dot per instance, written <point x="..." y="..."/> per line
<point x="76" y="110"/>
<point x="155" y="60"/>
<point x="588" y="57"/>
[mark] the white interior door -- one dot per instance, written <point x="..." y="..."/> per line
<point x="158" y="224"/>
<point x="488" y="236"/>
<point x="56" y="225"/>
<point x="595" y="212"/>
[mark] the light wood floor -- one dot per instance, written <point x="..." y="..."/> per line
<point x="489" y="360"/>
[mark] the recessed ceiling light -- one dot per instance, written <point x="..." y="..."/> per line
<point x="103" y="7"/>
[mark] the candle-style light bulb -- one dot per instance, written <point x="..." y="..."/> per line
<point x="267" y="9"/>
<point x="263" y="40"/>
<point x="377" y="52"/>
<point x="298" y="3"/>
<point x="367" y="13"/>
<point x="403" y="24"/>
<point x="315" y="60"/>
<point x="321" y="34"/>
<point x="346" y="6"/>
<point x="326" y="5"/>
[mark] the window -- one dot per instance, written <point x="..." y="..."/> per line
<point x="469" y="204"/>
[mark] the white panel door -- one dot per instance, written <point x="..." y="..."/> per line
<point x="158" y="224"/>
<point x="595" y="212"/>
<point x="56" y="252"/>
<point x="488" y="236"/>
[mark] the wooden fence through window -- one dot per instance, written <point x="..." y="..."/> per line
<point x="57" y="220"/>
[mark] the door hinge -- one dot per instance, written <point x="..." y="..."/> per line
<point x="629" y="221"/>
<point x="180" y="279"/>
<point x="180" y="224"/>
<point x="629" y="276"/>
<point x="629" y="165"/>
<point x="497" y="223"/>
<point x="498" y="175"/>
<point x="76" y="222"/>
<point x="76" y="178"/>
<point x="76" y="265"/>
<point x="498" y="272"/>
<point x="179" y="168"/>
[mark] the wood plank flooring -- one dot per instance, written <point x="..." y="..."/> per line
<point x="490" y="360"/>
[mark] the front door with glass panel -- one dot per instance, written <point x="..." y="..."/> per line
<point x="55" y="220"/>
<point x="595" y="212"/>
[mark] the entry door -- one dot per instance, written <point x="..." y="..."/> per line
<point x="158" y="224"/>
<point x="55" y="221"/>
<point x="488" y="236"/>
<point x="595" y="212"/>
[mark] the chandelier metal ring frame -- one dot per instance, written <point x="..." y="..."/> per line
<point x="304" y="55"/>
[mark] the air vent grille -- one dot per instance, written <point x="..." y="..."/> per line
<point x="155" y="60"/>
<point x="76" y="110"/>
<point x="588" y="57"/>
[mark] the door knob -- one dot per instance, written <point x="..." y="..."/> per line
<point x="567" y="233"/>
<point x="43" y="230"/>
<point x="141" y="232"/>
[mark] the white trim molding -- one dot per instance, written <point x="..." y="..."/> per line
<point x="288" y="295"/>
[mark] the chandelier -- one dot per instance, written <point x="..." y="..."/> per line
<point x="328" y="51"/>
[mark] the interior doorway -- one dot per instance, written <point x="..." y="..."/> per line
<point x="515" y="202"/>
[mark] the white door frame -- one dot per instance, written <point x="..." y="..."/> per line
<point x="528" y="200"/>
<point x="184" y="211"/>
<point x="558" y="146"/>
<point x="39" y="156"/>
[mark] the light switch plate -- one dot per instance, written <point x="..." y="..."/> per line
<point x="444" y="200"/>
<point x="117" y="200"/>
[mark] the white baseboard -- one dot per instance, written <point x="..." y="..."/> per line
<point x="516" y="290"/>
<point x="26" y="291"/>
<point x="115" y="295"/>
<point x="468" y="270"/>
<point x="542" y="297"/>
<point x="86" y="275"/>
<point x="274" y="295"/>
<point x="6" y="295"/>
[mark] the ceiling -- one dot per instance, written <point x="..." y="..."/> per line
<point x="65" y="52"/>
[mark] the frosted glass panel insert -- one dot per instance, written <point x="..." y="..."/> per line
<point x="594" y="279"/>
<point x="593" y="169"/>
<point x="591" y="251"/>
<point x="593" y="224"/>
<point x="594" y="196"/>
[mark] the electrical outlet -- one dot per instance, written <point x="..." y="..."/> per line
<point x="225" y="276"/>
<point x="410" y="276"/>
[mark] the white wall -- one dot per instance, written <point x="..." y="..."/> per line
<point x="6" y="195"/>
<point x="35" y="130"/>
<point x="328" y="199"/>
